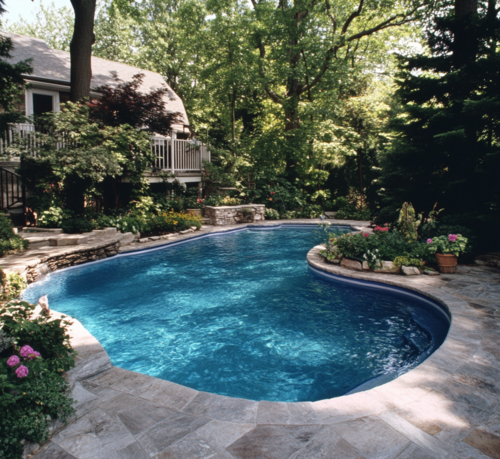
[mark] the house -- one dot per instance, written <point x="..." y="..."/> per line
<point x="50" y="86"/>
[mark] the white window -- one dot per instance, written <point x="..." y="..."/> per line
<point x="40" y="101"/>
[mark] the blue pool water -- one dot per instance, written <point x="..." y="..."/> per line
<point x="241" y="314"/>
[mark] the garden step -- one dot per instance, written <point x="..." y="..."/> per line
<point x="69" y="239"/>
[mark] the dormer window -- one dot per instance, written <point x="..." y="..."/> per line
<point x="41" y="101"/>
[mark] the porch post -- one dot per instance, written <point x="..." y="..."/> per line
<point x="173" y="137"/>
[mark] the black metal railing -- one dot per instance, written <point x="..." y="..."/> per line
<point x="11" y="188"/>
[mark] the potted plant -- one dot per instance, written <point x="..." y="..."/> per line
<point x="198" y="205"/>
<point x="447" y="249"/>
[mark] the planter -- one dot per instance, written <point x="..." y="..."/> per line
<point x="447" y="262"/>
<point x="194" y="211"/>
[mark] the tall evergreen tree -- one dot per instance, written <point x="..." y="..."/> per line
<point x="447" y="144"/>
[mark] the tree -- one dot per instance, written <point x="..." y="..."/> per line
<point x="447" y="144"/>
<point x="11" y="82"/>
<point x="123" y="103"/>
<point x="81" y="49"/>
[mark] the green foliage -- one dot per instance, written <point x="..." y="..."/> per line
<point x="53" y="217"/>
<point x="12" y="286"/>
<point x="378" y="246"/>
<point x="8" y="240"/>
<point x="408" y="223"/>
<point x="271" y="214"/>
<point x="454" y="244"/>
<point x="406" y="261"/>
<point x="447" y="123"/>
<point x="28" y="403"/>
<point x="347" y="210"/>
<point x="90" y="155"/>
<point x="76" y="225"/>
<point x="12" y="85"/>
<point x="229" y="201"/>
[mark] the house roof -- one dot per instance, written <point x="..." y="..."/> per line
<point x="54" y="65"/>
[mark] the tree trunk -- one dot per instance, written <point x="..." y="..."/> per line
<point x="81" y="48"/>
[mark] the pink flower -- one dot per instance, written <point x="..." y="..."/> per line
<point x="366" y="234"/>
<point x="34" y="355"/>
<point x="22" y="372"/>
<point x="13" y="361"/>
<point x="429" y="241"/>
<point x="452" y="237"/>
<point x="26" y="350"/>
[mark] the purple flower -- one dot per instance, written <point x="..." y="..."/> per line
<point x="452" y="237"/>
<point x="22" y="372"/>
<point x="13" y="361"/>
<point x="34" y="355"/>
<point x="26" y="350"/>
<point x="429" y="241"/>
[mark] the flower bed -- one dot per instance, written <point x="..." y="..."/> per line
<point x="34" y="354"/>
<point x="388" y="251"/>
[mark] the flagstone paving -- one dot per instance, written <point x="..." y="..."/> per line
<point x="448" y="407"/>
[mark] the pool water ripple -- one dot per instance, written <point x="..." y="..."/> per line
<point x="242" y="315"/>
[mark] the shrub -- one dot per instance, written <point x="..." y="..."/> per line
<point x="8" y="240"/>
<point x="347" y="210"/>
<point x="229" y="201"/>
<point x="11" y="286"/>
<point x="271" y="214"/>
<point x="32" y="387"/>
<point x="406" y="261"/>
<point x="382" y="245"/>
<point x="77" y="225"/>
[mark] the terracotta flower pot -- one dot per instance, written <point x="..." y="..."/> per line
<point x="447" y="262"/>
<point x="194" y="211"/>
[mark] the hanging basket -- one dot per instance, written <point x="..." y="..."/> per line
<point x="447" y="262"/>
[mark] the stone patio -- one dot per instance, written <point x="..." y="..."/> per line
<point x="445" y="408"/>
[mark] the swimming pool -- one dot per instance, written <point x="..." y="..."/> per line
<point x="241" y="314"/>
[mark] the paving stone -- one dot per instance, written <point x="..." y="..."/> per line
<point x="272" y="413"/>
<point x="166" y="393"/>
<point x="223" y="433"/>
<point x="414" y="452"/>
<point x="191" y="446"/>
<point x="425" y="441"/>
<point x="223" y="408"/>
<point x="54" y="451"/>
<point x="132" y="451"/>
<point x="464" y="451"/>
<point x="140" y="417"/>
<point x="265" y="441"/>
<point x="373" y="438"/>
<point x="485" y="442"/>
<point x="476" y="396"/>
<point x="122" y="380"/>
<point x="302" y="413"/>
<point x="348" y="407"/>
<point x="160" y="436"/>
<point x="103" y="393"/>
<point x="327" y="444"/>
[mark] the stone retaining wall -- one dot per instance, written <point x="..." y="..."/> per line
<point x="71" y="259"/>
<point x="225" y="215"/>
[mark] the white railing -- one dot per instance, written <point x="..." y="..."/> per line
<point x="179" y="155"/>
<point x="170" y="154"/>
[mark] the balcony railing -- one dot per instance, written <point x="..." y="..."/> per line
<point x="179" y="155"/>
<point x="170" y="154"/>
